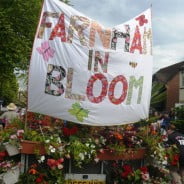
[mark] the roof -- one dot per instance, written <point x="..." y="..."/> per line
<point x="167" y="73"/>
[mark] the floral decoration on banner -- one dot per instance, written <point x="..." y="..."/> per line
<point x="46" y="51"/>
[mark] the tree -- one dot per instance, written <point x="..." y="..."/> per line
<point x="18" y="22"/>
<point x="9" y="89"/>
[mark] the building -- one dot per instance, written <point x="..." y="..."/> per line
<point x="173" y="79"/>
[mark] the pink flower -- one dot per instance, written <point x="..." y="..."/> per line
<point x="101" y="150"/>
<point x="145" y="176"/>
<point x="14" y="136"/>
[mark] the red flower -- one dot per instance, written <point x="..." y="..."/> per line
<point x="70" y="131"/>
<point x="51" y="163"/>
<point x="175" y="159"/>
<point x="127" y="168"/>
<point x="33" y="171"/>
<point x="3" y="154"/>
<point x="61" y="160"/>
<point x="39" y="180"/>
<point x="144" y="170"/>
<point x="127" y="171"/>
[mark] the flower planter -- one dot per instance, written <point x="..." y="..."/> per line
<point x="11" y="176"/>
<point x="129" y="154"/>
<point x="11" y="149"/>
<point x="30" y="147"/>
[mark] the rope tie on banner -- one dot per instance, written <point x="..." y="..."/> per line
<point x="42" y="132"/>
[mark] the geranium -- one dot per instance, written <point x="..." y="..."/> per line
<point x="33" y="175"/>
<point x="126" y="174"/>
<point x="144" y="173"/>
<point x="55" y="164"/>
<point x="70" y="131"/>
<point x="127" y="171"/>
<point x="172" y="154"/>
<point x="3" y="154"/>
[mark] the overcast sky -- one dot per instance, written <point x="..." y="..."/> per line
<point x="168" y="23"/>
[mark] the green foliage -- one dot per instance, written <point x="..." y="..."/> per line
<point x="82" y="152"/>
<point x="158" y="95"/>
<point x="179" y="124"/>
<point x="179" y="121"/>
<point x="18" y="22"/>
<point x="8" y="88"/>
<point x="179" y="112"/>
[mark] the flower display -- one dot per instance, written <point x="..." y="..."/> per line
<point x="63" y="141"/>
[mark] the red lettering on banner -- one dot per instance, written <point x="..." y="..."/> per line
<point x="122" y="79"/>
<point x="136" y="43"/>
<point x="59" y="29"/>
<point x="45" y="24"/>
<point x="90" y="85"/>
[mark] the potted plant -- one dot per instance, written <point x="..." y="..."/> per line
<point x="9" y="171"/>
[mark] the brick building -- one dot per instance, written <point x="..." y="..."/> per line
<point x="173" y="78"/>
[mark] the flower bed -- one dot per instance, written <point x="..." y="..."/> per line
<point x="129" y="154"/>
<point x="60" y="141"/>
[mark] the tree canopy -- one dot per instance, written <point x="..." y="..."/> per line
<point x="18" y="22"/>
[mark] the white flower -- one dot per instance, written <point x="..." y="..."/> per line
<point x="92" y="151"/>
<point x="164" y="162"/>
<point x="42" y="158"/>
<point x="87" y="144"/>
<point x="52" y="149"/>
<point x="92" y="146"/>
<point x="59" y="140"/>
<point x="47" y="141"/>
<point x="60" y="166"/>
<point x="81" y="155"/>
<point x="96" y="160"/>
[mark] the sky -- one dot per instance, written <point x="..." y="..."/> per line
<point x="167" y="23"/>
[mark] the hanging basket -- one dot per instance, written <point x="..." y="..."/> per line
<point x="11" y="149"/>
<point x="129" y="154"/>
<point x="31" y="147"/>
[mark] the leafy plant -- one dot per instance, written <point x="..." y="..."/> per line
<point x="179" y="112"/>
<point x="81" y="151"/>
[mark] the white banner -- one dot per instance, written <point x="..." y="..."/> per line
<point x="83" y="72"/>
